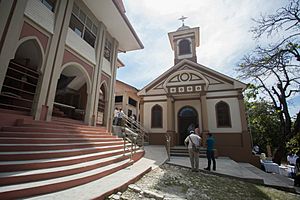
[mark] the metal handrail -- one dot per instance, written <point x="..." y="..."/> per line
<point x="131" y="140"/>
<point x="168" y="146"/>
<point x="137" y="128"/>
<point x="133" y="133"/>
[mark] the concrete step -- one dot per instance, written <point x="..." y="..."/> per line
<point x="187" y="155"/>
<point x="55" y="146"/>
<point x="55" y="121"/>
<point x="23" y="165"/>
<point x="186" y="151"/>
<point x="52" y="185"/>
<point x="64" y="126"/>
<point x="49" y="129"/>
<point x="33" y="155"/>
<point x="54" y="135"/>
<point x="20" y="140"/>
<point x="17" y="177"/>
<point x="105" y="186"/>
<point x="182" y="151"/>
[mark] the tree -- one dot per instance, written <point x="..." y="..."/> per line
<point x="263" y="123"/>
<point x="275" y="70"/>
<point x="286" y="19"/>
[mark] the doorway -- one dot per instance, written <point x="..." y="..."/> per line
<point x="71" y="94"/>
<point x="21" y="80"/>
<point x="102" y="106"/>
<point x="186" y="116"/>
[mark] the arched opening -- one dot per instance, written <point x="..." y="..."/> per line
<point x="71" y="93"/>
<point x="101" y="106"/>
<point x="184" y="47"/>
<point x="19" y="87"/>
<point x="186" y="117"/>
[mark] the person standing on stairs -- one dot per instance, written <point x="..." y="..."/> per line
<point x="193" y="140"/>
<point x="116" y="113"/>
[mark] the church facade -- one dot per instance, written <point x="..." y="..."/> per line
<point x="190" y="93"/>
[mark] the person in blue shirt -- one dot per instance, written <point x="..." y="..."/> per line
<point x="210" y="142"/>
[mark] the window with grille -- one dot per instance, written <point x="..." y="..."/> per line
<point x="118" y="99"/>
<point x="156" y="117"/>
<point x="132" y="102"/>
<point x="184" y="47"/>
<point x="107" y="50"/>
<point x="50" y="4"/>
<point x="83" y="26"/>
<point x="223" y="114"/>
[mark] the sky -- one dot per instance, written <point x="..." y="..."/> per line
<point x="225" y="35"/>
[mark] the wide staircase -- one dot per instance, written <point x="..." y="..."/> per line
<point x="183" y="151"/>
<point x="39" y="158"/>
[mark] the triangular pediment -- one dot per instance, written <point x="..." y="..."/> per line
<point x="190" y="77"/>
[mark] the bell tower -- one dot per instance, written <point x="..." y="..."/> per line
<point x="184" y="42"/>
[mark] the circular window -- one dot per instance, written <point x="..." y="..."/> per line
<point x="184" y="77"/>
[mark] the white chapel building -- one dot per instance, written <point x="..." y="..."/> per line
<point x="189" y="93"/>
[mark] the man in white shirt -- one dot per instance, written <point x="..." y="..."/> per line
<point x="194" y="155"/>
<point x="116" y="113"/>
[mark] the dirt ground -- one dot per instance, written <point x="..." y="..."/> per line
<point x="176" y="183"/>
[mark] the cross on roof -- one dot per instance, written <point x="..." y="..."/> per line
<point x="182" y="18"/>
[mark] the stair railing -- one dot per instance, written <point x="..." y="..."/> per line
<point x="134" y="126"/>
<point x="131" y="139"/>
<point x="168" y="146"/>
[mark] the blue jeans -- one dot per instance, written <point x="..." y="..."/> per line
<point x="210" y="154"/>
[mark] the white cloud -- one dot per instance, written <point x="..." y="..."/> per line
<point x="224" y="33"/>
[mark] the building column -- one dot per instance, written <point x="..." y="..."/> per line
<point x="246" y="138"/>
<point x="111" y="99"/>
<point x="11" y="23"/>
<point x="58" y="53"/>
<point x="171" y="117"/>
<point x="41" y="107"/>
<point x="141" y="112"/>
<point x="204" y="116"/>
<point x="97" y="74"/>
<point x="124" y="103"/>
<point x="137" y="109"/>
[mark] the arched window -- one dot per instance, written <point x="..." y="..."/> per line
<point x="184" y="47"/>
<point x="156" y="117"/>
<point x="223" y="114"/>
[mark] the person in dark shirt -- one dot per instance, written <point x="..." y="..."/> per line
<point x="210" y="142"/>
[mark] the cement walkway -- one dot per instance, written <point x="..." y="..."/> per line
<point x="225" y="167"/>
<point x="243" y="171"/>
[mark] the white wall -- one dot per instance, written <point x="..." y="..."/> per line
<point x="80" y="46"/>
<point x="106" y="66"/>
<point x="40" y="14"/>
<point x="233" y="103"/>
